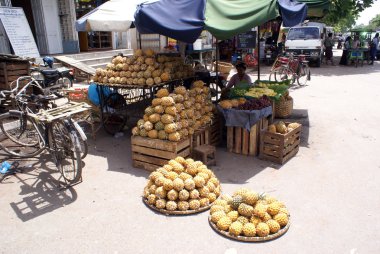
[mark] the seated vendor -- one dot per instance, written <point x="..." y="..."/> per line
<point x="240" y="78"/>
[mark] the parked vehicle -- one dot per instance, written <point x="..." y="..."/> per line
<point x="52" y="79"/>
<point x="307" y="40"/>
<point x="270" y="54"/>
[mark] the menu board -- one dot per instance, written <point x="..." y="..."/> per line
<point x="246" y="40"/>
<point x="18" y="31"/>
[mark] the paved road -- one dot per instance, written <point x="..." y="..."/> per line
<point x="331" y="187"/>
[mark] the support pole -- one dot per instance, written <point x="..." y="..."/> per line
<point x="258" y="52"/>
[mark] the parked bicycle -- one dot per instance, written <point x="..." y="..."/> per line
<point x="291" y="68"/>
<point x="31" y="99"/>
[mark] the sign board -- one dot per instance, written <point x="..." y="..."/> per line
<point x="246" y="40"/>
<point x="18" y="31"/>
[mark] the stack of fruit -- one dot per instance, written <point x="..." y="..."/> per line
<point x="176" y="116"/>
<point x="282" y="128"/>
<point x="182" y="185"/>
<point x="144" y="68"/>
<point x="244" y="104"/>
<point x="249" y="214"/>
<point x="256" y="92"/>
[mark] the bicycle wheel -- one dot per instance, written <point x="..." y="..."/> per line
<point x="21" y="137"/>
<point x="66" y="152"/>
<point x="114" y="113"/>
<point x="304" y="75"/>
<point x="273" y="73"/>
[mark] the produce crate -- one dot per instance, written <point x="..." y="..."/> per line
<point x="200" y="137"/>
<point x="279" y="148"/>
<point x="149" y="154"/>
<point x="11" y="71"/>
<point x="241" y="141"/>
<point x="216" y="131"/>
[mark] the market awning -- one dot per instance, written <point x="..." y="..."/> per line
<point x="185" y="19"/>
<point x="114" y="15"/>
<point x="317" y="8"/>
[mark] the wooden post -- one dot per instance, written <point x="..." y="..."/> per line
<point x="230" y="138"/>
<point x="237" y="143"/>
<point x="253" y="141"/>
<point x="246" y="142"/>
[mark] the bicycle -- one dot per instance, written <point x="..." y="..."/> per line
<point x="291" y="68"/>
<point x="27" y="101"/>
<point x="52" y="130"/>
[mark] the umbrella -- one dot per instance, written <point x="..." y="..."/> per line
<point x="114" y="15"/>
<point x="185" y="19"/>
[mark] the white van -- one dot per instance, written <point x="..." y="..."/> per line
<point x="307" y="39"/>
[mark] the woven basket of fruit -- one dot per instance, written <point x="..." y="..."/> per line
<point x="250" y="217"/>
<point x="225" y="67"/>
<point x="183" y="186"/>
<point x="283" y="107"/>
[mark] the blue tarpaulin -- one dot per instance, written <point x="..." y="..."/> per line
<point x="181" y="19"/>
<point x="292" y="12"/>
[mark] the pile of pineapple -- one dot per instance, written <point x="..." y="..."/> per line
<point x="182" y="185"/>
<point x="144" y="68"/>
<point x="175" y="116"/>
<point x="282" y="128"/>
<point x="249" y="214"/>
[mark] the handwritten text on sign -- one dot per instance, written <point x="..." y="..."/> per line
<point x="18" y="31"/>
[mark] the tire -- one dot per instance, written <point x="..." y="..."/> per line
<point x="83" y="148"/>
<point x="304" y="75"/>
<point x="115" y="113"/>
<point x="66" y="151"/>
<point x="22" y="137"/>
<point x="283" y="73"/>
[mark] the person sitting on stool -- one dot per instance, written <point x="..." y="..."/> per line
<point x="240" y="79"/>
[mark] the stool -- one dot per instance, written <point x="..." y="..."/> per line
<point x="207" y="154"/>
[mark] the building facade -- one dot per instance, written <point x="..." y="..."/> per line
<point x="53" y="26"/>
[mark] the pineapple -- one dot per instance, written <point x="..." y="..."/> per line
<point x="260" y="210"/>
<point x="160" y="181"/>
<point x="244" y="220"/>
<point x="228" y="208"/>
<point x="233" y="215"/>
<point x="162" y="135"/>
<point x="220" y="202"/>
<point x="249" y="230"/>
<point x="183" y="195"/>
<point x="255" y="220"/>
<point x="163" y="92"/>
<point x="178" y="184"/>
<point x="189" y="184"/>
<point x="156" y="102"/>
<point x="167" y="101"/>
<point x="227" y="198"/>
<point x="216" y="208"/>
<point x="236" y="228"/>
<point x="159" y="109"/>
<point x="204" y="202"/>
<point x="284" y="210"/>
<point x="159" y="126"/>
<point x="199" y="181"/>
<point x="177" y="167"/>
<point x="167" y="119"/>
<point x="245" y="210"/>
<point x="172" y="175"/>
<point x="152" y="189"/>
<point x="282" y="219"/>
<point x="194" y="194"/>
<point x="211" y="197"/>
<point x="161" y="203"/>
<point x="262" y="229"/>
<point x="168" y="184"/>
<point x="273" y="225"/>
<point x="266" y="217"/>
<point x="160" y="192"/>
<point x="168" y="167"/>
<point x="204" y="191"/>
<point x="250" y="197"/>
<point x="215" y="181"/>
<point x="240" y="192"/>
<point x="154" y="175"/>
<point x="151" y="199"/>
<point x="171" y="206"/>
<point x="191" y="169"/>
<point x="194" y="204"/>
<point x="183" y="205"/>
<point x="215" y="217"/>
<point x="154" y="118"/>
<point x="172" y="195"/>
<point x="184" y="176"/>
<point x="171" y="110"/>
<point x="273" y="208"/>
<point x="224" y="223"/>
<point x="181" y="160"/>
<point x="149" y="111"/>
<point x="236" y="201"/>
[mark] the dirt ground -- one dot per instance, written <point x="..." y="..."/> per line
<point x="331" y="187"/>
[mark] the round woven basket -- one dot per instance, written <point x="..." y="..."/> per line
<point x="283" y="108"/>
<point x="167" y="212"/>
<point x="224" y="67"/>
<point x="250" y="239"/>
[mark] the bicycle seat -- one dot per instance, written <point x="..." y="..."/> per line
<point x="49" y="72"/>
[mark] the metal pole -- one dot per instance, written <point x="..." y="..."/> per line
<point x="258" y="52"/>
<point x="216" y="68"/>
<point x="140" y="40"/>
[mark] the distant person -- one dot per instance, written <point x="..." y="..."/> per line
<point x="346" y="48"/>
<point x="240" y="79"/>
<point x="374" y="46"/>
<point x="356" y="42"/>
<point x="329" y="43"/>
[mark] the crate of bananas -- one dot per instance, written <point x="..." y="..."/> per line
<point x="249" y="216"/>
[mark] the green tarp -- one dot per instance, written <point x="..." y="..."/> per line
<point x="226" y="18"/>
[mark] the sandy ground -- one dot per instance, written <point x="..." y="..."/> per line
<point x="331" y="187"/>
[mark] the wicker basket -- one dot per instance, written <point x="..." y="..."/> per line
<point x="224" y="67"/>
<point x="283" y="108"/>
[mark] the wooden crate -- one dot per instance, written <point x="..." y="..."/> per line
<point x="149" y="154"/>
<point x="12" y="70"/>
<point x="216" y="132"/>
<point x="200" y="137"/>
<point x="279" y="148"/>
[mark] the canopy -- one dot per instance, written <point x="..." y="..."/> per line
<point x="114" y="15"/>
<point x="185" y="19"/>
<point x="316" y="8"/>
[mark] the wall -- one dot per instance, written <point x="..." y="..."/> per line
<point x="67" y="16"/>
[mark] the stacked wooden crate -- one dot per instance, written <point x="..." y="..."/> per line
<point x="11" y="70"/>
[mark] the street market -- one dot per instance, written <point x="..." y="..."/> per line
<point x="213" y="134"/>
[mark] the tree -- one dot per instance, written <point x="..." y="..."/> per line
<point x="341" y="9"/>
<point x="374" y="23"/>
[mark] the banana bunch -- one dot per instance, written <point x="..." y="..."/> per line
<point x="259" y="92"/>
